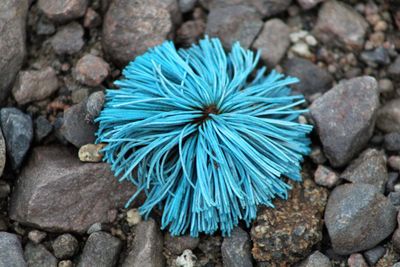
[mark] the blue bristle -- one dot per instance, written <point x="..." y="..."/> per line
<point x="208" y="143"/>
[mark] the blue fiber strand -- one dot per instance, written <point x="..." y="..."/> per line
<point x="204" y="135"/>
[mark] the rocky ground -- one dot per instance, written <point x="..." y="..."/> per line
<point x="59" y="206"/>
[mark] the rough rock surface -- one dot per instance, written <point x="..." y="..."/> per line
<point x="13" y="15"/>
<point x="391" y="142"/>
<point x="388" y="119"/>
<point x="287" y="233"/>
<point x="91" y="70"/>
<point x="34" y="85"/>
<point x="234" y="23"/>
<point x="121" y="41"/>
<point x="94" y="105"/>
<point x="319" y="82"/>
<point x="354" y="210"/>
<point x="62" y="11"/>
<point x="339" y="24"/>
<point x="76" y="128"/>
<point x="18" y="133"/>
<point x="65" y="246"/>
<point x="101" y="250"/>
<point x="345" y="118"/>
<point x="76" y="194"/>
<point x="147" y="246"/>
<point x="69" y="39"/>
<point x="368" y="168"/>
<point x="178" y="244"/>
<point x="2" y="152"/>
<point x="236" y="249"/>
<point x="39" y="256"/>
<point x="11" y="254"/>
<point x="273" y="41"/>
<point x="317" y="259"/>
<point x="308" y="4"/>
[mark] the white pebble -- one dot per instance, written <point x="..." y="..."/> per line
<point x="133" y="217"/>
<point x="301" y="49"/>
<point x="310" y="40"/>
<point x="297" y="36"/>
<point x="187" y="259"/>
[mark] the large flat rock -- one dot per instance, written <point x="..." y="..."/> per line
<point x="56" y="192"/>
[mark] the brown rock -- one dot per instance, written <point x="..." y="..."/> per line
<point x="234" y="23"/>
<point x="57" y="192"/>
<point x="91" y="70"/>
<point x="92" y="19"/>
<point x="63" y="10"/>
<point x="388" y="119"/>
<point x="273" y="41"/>
<point x="325" y="176"/>
<point x="190" y="32"/>
<point x="288" y="232"/>
<point x="35" y="85"/>
<point x="339" y="24"/>
<point x="357" y="260"/>
<point x="130" y="28"/>
<point x="12" y="42"/>
<point x="178" y="244"/>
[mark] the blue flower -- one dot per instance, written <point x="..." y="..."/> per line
<point x="204" y="135"/>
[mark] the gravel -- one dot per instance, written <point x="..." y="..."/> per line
<point x="65" y="246"/>
<point x="68" y="40"/>
<point x="236" y="249"/>
<point x="91" y="70"/>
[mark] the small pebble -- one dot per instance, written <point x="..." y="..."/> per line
<point x="325" y="176"/>
<point x="36" y="236"/>
<point x="394" y="162"/>
<point x="91" y="153"/>
<point x="301" y="49"/>
<point x="373" y="255"/>
<point x="65" y="246"/>
<point x="357" y="260"/>
<point x="91" y="70"/>
<point x="187" y="259"/>
<point x="92" y="18"/>
<point x="65" y="263"/>
<point x="133" y="217"/>
<point x="385" y="86"/>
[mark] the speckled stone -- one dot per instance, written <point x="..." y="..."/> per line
<point x="286" y="234"/>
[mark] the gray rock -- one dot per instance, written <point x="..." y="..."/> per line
<point x="372" y="256"/>
<point x="394" y="69"/>
<point x="42" y="128"/>
<point x="18" y="133"/>
<point x="76" y="128"/>
<point x="36" y="236"/>
<point x="236" y="249"/>
<point x="388" y="119"/>
<point x="339" y="24"/>
<point x="187" y="5"/>
<point x="308" y="4"/>
<point x="94" y="105"/>
<point x="190" y="32"/>
<point x="391" y="142"/>
<point x="392" y="180"/>
<point x="397" y="264"/>
<point x="394" y="162"/>
<point x="234" y="23"/>
<point x="319" y="82"/>
<point x="356" y="260"/>
<point x="39" y="256"/>
<point x="147" y="246"/>
<point x="34" y="85"/>
<point x="92" y="19"/>
<point x="354" y="210"/>
<point x="273" y="41"/>
<point x="101" y="250"/>
<point x="121" y="41"/>
<point x="13" y="15"/>
<point x="65" y="246"/>
<point x="394" y="197"/>
<point x="2" y="152"/>
<point x="345" y="118"/>
<point x="178" y="244"/>
<point x="91" y="70"/>
<point x="44" y="26"/>
<point x="368" y="168"/>
<point x="317" y="259"/>
<point x="62" y="11"/>
<point x="68" y="40"/>
<point x="378" y="56"/>
<point x="76" y="194"/>
<point x="396" y="239"/>
<point x="11" y="254"/>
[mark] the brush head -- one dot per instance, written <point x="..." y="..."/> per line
<point x="209" y="136"/>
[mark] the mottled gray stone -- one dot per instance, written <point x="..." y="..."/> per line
<point x="39" y="256"/>
<point x="11" y="254"/>
<point x="62" y="11"/>
<point x="345" y="118"/>
<point x="373" y="255"/>
<point x="68" y="40"/>
<point x="236" y="249"/>
<point x="94" y="105"/>
<point x="388" y="119"/>
<point x="354" y="210"/>
<point x="65" y="246"/>
<point x="178" y="244"/>
<point x="316" y="259"/>
<point x="101" y="250"/>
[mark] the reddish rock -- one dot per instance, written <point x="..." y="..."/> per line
<point x="91" y="70"/>
<point x="58" y="193"/>
<point x="63" y="10"/>
<point x="92" y="19"/>
<point x="190" y="32"/>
